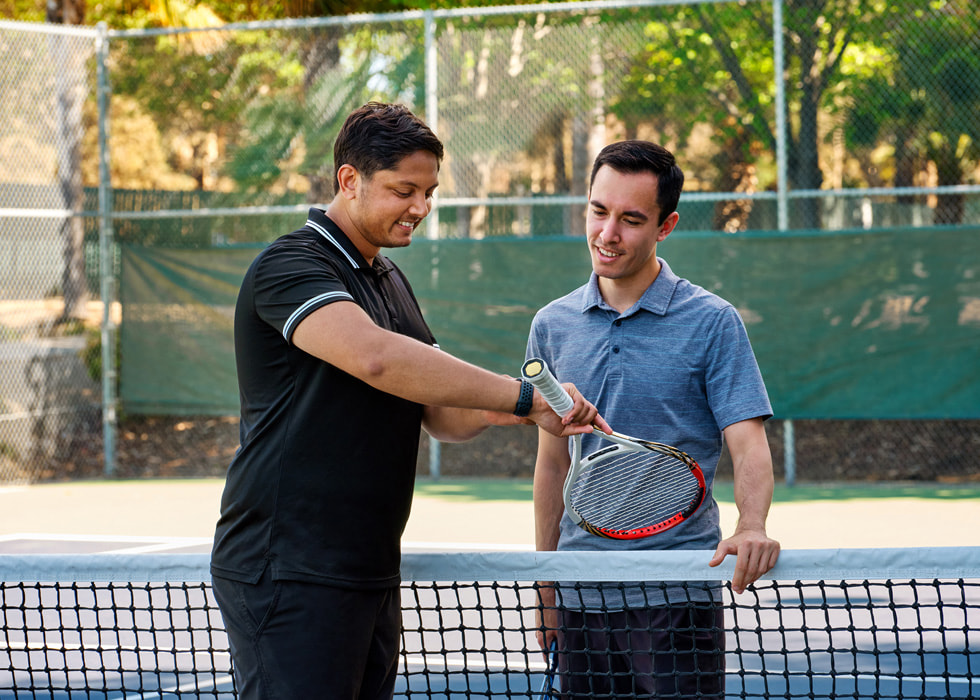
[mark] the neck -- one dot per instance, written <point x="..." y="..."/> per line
<point x="339" y="215"/>
<point x="622" y="293"/>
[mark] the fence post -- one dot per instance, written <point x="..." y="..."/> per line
<point x="107" y="263"/>
<point x="779" y="70"/>
<point x="789" y="452"/>
<point x="432" y="225"/>
<point x="782" y="200"/>
<point x="431" y="105"/>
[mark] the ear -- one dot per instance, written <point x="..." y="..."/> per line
<point x="348" y="178"/>
<point x="667" y="226"/>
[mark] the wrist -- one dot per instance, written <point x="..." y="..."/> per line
<point x="525" y="400"/>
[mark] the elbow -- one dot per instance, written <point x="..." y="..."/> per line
<point x="372" y="368"/>
<point x="453" y="424"/>
<point x="369" y="364"/>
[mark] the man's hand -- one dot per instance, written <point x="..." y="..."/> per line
<point x="755" y="554"/>
<point x="578" y="420"/>
<point x="546" y="617"/>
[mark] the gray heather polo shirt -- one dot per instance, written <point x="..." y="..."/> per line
<point x="675" y="368"/>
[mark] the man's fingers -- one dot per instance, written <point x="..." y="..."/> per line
<point x="723" y="551"/>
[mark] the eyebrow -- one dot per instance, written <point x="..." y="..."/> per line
<point x="412" y="184"/>
<point x="633" y="214"/>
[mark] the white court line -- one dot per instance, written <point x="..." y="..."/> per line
<point x="466" y="547"/>
<point x="141" y="543"/>
<point x="54" y="537"/>
<point x="745" y="674"/>
<point x="146" y="543"/>
<point x="183" y="689"/>
<point x="413" y="663"/>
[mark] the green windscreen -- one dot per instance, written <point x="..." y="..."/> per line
<point x="881" y="324"/>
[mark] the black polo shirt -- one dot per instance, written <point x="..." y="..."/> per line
<point x="321" y="487"/>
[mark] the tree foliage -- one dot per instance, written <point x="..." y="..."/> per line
<point x="896" y="79"/>
<point x="926" y="101"/>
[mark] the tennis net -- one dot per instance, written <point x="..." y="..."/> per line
<point x="882" y="623"/>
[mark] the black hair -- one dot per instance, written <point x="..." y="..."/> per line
<point x="635" y="156"/>
<point x="377" y="136"/>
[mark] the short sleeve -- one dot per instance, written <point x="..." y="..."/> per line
<point x="734" y="384"/>
<point x="290" y="284"/>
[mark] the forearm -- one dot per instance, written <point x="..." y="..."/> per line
<point x="756" y="552"/>
<point x="550" y="468"/>
<point x="753" y="475"/>
<point x="454" y="424"/>
<point x="427" y="375"/>
<point x="342" y="335"/>
<point x="753" y="496"/>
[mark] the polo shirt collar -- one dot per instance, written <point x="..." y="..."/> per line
<point x="656" y="299"/>
<point x="337" y="239"/>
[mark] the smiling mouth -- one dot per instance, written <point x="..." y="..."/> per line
<point x="408" y="224"/>
<point x="607" y="253"/>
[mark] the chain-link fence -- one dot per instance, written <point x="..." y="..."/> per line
<point x="47" y="394"/>
<point x="787" y="115"/>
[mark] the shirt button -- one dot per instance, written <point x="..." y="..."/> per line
<point x="616" y="349"/>
<point x="618" y="323"/>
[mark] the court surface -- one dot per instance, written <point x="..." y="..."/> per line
<point x="449" y="514"/>
<point x="178" y="517"/>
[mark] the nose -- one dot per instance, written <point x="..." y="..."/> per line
<point x="421" y="205"/>
<point x="609" y="233"/>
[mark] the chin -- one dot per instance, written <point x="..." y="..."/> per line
<point x="400" y="242"/>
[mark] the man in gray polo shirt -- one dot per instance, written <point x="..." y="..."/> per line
<point x="662" y="359"/>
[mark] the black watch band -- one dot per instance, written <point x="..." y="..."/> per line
<point x="526" y="400"/>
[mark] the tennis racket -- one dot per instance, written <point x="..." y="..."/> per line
<point x="631" y="489"/>
<point x="548" y="690"/>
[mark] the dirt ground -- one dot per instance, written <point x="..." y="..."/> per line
<point x="203" y="446"/>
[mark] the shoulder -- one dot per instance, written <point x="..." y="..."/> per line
<point x="695" y="297"/>
<point x="297" y="250"/>
<point x="301" y="241"/>
<point x="701" y="307"/>
<point x="573" y="302"/>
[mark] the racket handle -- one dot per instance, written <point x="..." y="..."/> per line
<point x="536" y="371"/>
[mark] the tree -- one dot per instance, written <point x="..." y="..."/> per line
<point x="714" y="64"/>
<point x="927" y="101"/>
<point x="709" y="65"/>
<point x="822" y="35"/>
<point x="70" y="98"/>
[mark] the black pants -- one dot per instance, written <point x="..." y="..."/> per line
<point x="663" y="652"/>
<point x="292" y="640"/>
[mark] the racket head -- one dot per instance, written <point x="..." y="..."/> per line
<point x="633" y="489"/>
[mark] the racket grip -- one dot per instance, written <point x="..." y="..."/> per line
<point x="536" y="371"/>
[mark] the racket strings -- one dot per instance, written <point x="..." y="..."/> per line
<point x="632" y="490"/>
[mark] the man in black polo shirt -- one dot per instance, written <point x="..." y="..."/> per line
<point x="338" y="372"/>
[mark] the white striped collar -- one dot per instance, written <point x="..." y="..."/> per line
<point x="330" y="238"/>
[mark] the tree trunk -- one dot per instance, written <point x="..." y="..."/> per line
<point x="949" y="207"/>
<point x="70" y="96"/>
